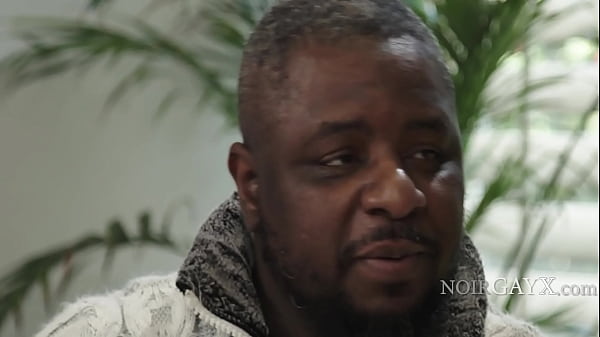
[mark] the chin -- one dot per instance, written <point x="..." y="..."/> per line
<point x="389" y="307"/>
<point x="390" y="301"/>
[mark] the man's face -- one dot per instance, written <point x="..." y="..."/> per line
<point x="360" y="184"/>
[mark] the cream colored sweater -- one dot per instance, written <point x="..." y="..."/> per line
<point x="154" y="307"/>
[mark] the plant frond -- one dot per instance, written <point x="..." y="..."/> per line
<point x="16" y="285"/>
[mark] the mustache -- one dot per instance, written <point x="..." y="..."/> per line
<point x="391" y="231"/>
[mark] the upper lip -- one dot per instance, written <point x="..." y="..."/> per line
<point x="391" y="249"/>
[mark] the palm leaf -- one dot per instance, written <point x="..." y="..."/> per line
<point x="95" y="4"/>
<point x="477" y="36"/>
<point x="16" y="285"/>
<point x="547" y="191"/>
<point x="478" y="48"/>
<point x="509" y="176"/>
<point x="555" y="319"/>
<point x="58" y="46"/>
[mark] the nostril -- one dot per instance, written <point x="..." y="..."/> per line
<point x="386" y="214"/>
<point x="379" y="212"/>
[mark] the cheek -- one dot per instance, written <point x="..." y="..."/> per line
<point x="446" y="193"/>
<point x="306" y="230"/>
<point x="445" y="204"/>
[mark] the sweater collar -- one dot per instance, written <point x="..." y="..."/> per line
<point x="218" y="270"/>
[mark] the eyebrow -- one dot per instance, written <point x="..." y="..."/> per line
<point x="334" y="127"/>
<point x="434" y="125"/>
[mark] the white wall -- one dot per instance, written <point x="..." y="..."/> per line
<point x="64" y="172"/>
<point x="67" y="168"/>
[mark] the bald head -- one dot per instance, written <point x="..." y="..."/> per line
<point x="291" y="24"/>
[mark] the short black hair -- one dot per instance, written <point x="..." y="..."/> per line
<point x="262" y="77"/>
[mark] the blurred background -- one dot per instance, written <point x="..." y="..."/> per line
<point x="116" y="118"/>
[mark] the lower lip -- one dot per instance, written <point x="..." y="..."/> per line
<point x="390" y="270"/>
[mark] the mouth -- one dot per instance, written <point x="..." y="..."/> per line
<point x="392" y="261"/>
<point x="392" y="250"/>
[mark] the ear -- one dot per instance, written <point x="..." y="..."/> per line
<point x="242" y="169"/>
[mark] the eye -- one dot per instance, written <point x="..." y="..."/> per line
<point x="423" y="162"/>
<point x="339" y="160"/>
<point x="426" y="154"/>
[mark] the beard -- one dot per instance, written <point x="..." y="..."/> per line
<point x="336" y="316"/>
<point x="330" y="309"/>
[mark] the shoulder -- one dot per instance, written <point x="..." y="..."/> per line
<point x="498" y="324"/>
<point x="147" y="306"/>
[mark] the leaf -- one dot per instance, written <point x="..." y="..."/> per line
<point x="477" y="36"/>
<point x="503" y="104"/>
<point x="65" y="45"/>
<point x="478" y="48"/>
<point x="137" y="76"/>
<point x="527" y="260"/>
<point x="508" y="176"/>
<point x="166" y="103"/>
<point x="418" y="6"/>
<point x="144" y="225"/>
<point x="115" y="233"/>
<point x="46" y="296"/>
<point x="68" y="274"/>
<point x="16" y="284"/>
<point x="95" y="4"/>
<point x="58" y="46"/>
<point x="553" y="318"/>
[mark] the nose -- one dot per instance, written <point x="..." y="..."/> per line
<point x="392" y="194"/>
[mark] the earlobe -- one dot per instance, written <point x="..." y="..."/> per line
<point x="242" y="170"/>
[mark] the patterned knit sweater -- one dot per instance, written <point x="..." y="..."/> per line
<point x="212" y="295"/>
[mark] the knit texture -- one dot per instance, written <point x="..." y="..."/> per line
<point x="213" y="296"/>
<point x="219" y="266"/>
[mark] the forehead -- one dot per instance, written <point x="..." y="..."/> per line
<point x="362" y="71"/>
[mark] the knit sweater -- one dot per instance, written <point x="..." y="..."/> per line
<point x="213" y="295"/>
<point x="153" y="306"/>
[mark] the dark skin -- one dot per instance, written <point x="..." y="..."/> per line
<point x="355" y="197"/>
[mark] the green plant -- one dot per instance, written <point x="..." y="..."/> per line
<point x="39" y="269"/>
<point x="477" y="37"/>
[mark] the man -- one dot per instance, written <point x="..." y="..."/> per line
<point x="349" y="204"/>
